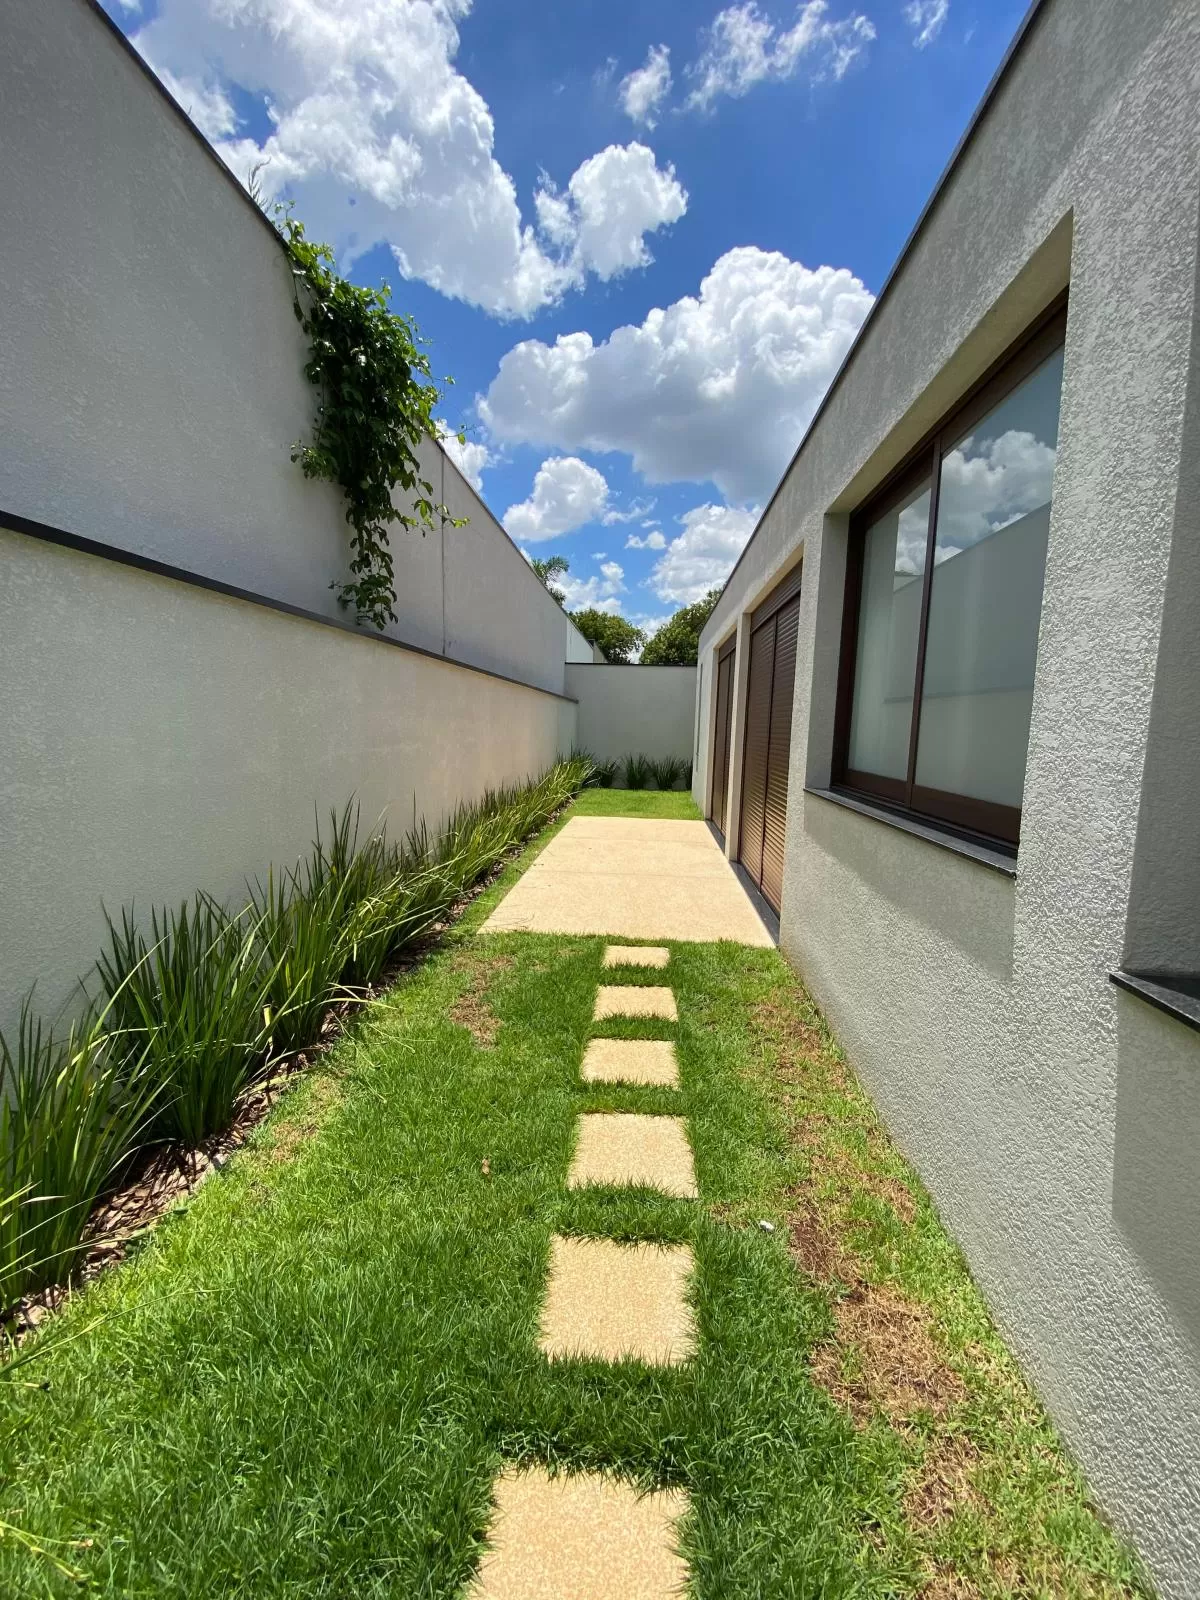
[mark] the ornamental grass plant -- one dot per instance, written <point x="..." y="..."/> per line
<point x="637" y="772"/>
<point x="71" y="1111"/>
<point x="667" y="771"/>
<point x="190" y="1014"/>
<point x="190" y="1009"/>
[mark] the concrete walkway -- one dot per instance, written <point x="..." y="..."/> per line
<point x="644" y="879"/>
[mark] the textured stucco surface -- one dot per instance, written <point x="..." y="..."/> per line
<point x="158" y="739"/>
<point x="634" y="710"/>
<point x="154" y="384"/>
<point x="1055" y="1118"/>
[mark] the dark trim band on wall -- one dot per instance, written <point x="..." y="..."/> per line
<point x="46" y="534"/>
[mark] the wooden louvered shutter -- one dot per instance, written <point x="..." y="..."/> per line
<point x="779" y="747"/>
<point x="754" y="764"/>
<point x="720" y="792"/>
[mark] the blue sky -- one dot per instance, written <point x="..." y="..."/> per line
<point x="640" y="236"/>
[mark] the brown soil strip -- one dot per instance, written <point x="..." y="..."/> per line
<point x="472" y="1010"/>
<point x="943" y="1483"/>
<point x="883" y="1360"/>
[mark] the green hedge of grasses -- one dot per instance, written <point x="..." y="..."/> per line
<point x="183" y="1018"/>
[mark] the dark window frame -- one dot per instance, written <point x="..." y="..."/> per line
<point x="723" y="653"/>
<point x="984" y="820"/>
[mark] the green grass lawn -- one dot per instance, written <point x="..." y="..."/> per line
<point x="305" y="1383"/>
<point x="674" y="803"/>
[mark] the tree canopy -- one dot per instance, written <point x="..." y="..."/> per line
<point x="677" y="642"/>
<point x="617" y="638"/>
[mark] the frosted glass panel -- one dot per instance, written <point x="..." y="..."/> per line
<point x="889" y="624"/>
<point x="985" y="599"/>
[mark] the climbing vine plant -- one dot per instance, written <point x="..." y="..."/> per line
<point x="376" y="404"/>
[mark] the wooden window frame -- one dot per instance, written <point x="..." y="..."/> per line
<point x="995" y="825"/>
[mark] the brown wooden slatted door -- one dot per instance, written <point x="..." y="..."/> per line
<point x="754" y="758"/>
<point x="779" y="749"/>
<point x="720" y="787"/>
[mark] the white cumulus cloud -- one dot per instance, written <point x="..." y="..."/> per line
<point x="611" y="202"/>
<point x="703" y="555"/>
<point x="633" y="513"/>
<point x="926" y="17"/>
<point x="209" y="107"/>
<point x="380" y="138"/>
<point x="743" y="47"/>
<point x="567" y="493"/>
<point x="989" y="483"/>
<point x="471" y="456"/>
<point x="716" y="387"/>
<point x="655" y="540"/>
<point x="645" y="89"/>
<point x="601" y="593"/>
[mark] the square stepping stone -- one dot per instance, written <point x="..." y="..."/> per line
<point x="651" y="1061"/>
<point x="608" y="1302"/>
<point x="583" y="1537"/>
<point x="636" y="955"/>
<point x="620" y="1147"/>
<point x="614" y="1000"/>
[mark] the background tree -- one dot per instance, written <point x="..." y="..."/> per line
<point x="549" y="569"/>
<point x="677" y="642"/>
<point x="617" y="638"/>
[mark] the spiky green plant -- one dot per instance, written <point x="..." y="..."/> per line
<point x="303" y="921"/>
<point x="193" y="1011"/>
<point x="604" y="773"/>
<point x="667" y="771"/>
<point x="637" y="772"/>
<point x="190" y="1008"/>
<point x="71" y="1111"/>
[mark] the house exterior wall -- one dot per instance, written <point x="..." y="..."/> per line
<point x="159" y="738"/>
<point x="634" y="710"/>
<point x="1055" y="1118"/>
<point x="154" y="384"/>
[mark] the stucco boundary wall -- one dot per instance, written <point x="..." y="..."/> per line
<point x="632" y="710"/>
<point x="1054" y="1117"/>
<point x="154" y="370"/>
<point x="159" y="737"/>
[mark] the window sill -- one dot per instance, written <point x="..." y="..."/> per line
<point x="973" y="849"/>
<point x="1176" y="993"/>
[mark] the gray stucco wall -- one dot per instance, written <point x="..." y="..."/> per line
<point x="1055" y="1118"/>
<point x="634" y="710"/>
<point x="158" y="738"/>
<point x="153" y="366"/>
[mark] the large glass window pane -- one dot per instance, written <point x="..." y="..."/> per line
<point x="889" y="623"/>
<point x="985" y="599"/>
